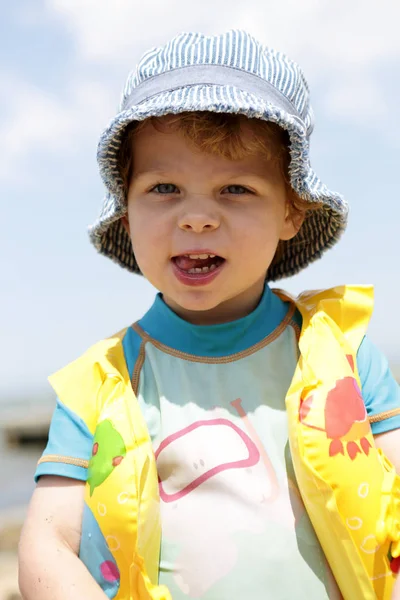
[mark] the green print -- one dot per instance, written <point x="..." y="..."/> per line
<point x="107" y="453"/>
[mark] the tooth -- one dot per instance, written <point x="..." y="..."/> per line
<point x="205" y="269"/>
<point x="193" y="256"/>
<point x="211" y="255"/>
<point x="191" y="271"/>
<point x="197" y="270"/>
<point x="212" y="267"/>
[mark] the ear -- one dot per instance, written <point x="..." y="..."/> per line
<point x="294" y="219"/>
<point x="125" y="223"/>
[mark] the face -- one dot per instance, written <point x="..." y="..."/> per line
<point x="204" y="228"/>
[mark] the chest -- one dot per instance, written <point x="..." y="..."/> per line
<point x="228" y="497"/>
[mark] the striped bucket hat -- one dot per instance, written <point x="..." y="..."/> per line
<point x="227" y="73"/>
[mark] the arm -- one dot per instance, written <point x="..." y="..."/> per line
<point x="389" y="443"/>
<point x="396" y="590"/>
<point x="381" y="395"/>
<point x="389" y="440"/>
<point x="49" y="567"/>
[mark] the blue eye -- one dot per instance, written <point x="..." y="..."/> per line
<point x="237" y="189"/>
<point x="164" y="188"/>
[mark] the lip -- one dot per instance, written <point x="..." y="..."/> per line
<point x="196" y="279"/>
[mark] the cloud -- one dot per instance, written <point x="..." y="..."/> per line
<point x="119" y="30"/>
<point x="340" y="45"/>
<point x="357" y="99"/>
<point x="37" y="121"/>
<point x="349" y="32"/>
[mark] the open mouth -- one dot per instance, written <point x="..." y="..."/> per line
<point x="197" y="264"/>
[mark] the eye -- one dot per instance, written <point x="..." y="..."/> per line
<point x="237" y="190"/>
<point x="165" y="188"/>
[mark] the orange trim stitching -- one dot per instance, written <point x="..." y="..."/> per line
<point x="387" y="414"/>
<point x="138" y="366"/>
<point x="218" y="359"/>
<point x="68" y="460"/>
<point x="296" y="329"/>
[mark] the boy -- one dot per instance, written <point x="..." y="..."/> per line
<point x="168" y="471"/>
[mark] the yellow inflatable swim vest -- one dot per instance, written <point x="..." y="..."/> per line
<point x="350" y="490"/>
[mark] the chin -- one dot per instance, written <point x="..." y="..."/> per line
<point x="197" y="302"/>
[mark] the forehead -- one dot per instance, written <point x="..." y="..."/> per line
<point x="164" y="148"/>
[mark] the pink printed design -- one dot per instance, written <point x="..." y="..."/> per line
<point x="213" y="487"/>
<point x="251" y="460"/>
<point x="109" y="571"/>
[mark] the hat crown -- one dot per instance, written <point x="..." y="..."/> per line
<point x="236" y="49"/>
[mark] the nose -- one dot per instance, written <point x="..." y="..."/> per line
<point x="199" y="216"/>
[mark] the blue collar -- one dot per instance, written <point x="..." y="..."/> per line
<point x="162" y="324"/>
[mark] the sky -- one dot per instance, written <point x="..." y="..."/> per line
<point x="63" y="65"/>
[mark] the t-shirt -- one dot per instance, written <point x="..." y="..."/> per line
<point x="213" y="398"/>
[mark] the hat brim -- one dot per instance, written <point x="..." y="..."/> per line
<point x="322" y="227"/>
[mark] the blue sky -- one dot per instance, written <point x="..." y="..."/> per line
<point x="63" y="65"/>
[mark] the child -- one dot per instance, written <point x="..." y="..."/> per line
<point x="179" y="447"/>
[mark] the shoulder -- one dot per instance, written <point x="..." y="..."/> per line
<point x="103" y="351"/>
<point x="380" y="390"/>
<point x="77" y="385"/>
<point x="349" y="307"/>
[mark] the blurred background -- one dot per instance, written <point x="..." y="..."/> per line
<point x="63" y="65"/>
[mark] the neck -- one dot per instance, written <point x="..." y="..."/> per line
<point x="230" y="310"/>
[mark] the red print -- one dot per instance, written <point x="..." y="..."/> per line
<point x="346" y="422"/>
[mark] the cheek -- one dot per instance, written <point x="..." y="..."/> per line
<point x="257" y="240"/>
<point x="261" y="230"/>
<point x="148" y="238"/>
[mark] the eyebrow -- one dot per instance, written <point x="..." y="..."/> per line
<point x="173" y="172"/>
<point x="151" y="172"/>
